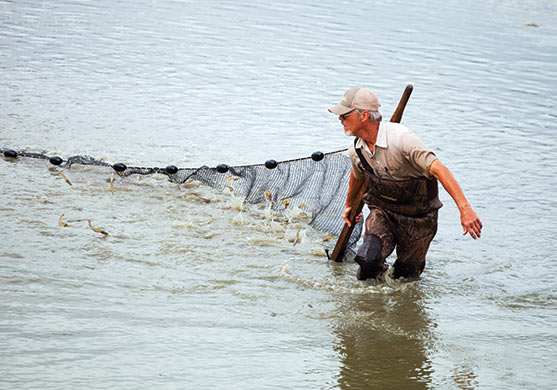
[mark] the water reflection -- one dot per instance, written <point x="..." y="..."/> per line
<point x="384" y="336"/>
<point x="464" y="378"/>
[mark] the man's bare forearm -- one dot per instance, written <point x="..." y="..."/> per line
<point x="442" y="173"/>
<point x="468" y="218"/>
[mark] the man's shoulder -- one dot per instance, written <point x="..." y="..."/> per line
<point x="395" y="135"/>
<point x="396" y="128"/>
<point x="400" y="135"/>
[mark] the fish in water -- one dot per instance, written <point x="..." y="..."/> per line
<point x="61" y="222"/>
<point x="286" y="203"/>
<point x="97" y="230"/>
<point x="268" y="196"/>
<point x="298" y="238"/>
<point x="205" y="200"/>
<point x="65" y="178"/>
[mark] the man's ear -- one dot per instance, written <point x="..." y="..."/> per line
<point x="364" y="115"/>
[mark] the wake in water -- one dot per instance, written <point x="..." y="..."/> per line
<point x="314" y="187"/>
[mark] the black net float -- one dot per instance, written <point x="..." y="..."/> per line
<point x="119" y="167"/>
<point x="10" y="153"/>
<point x="317" y="156"/>
<point x="271" y="164"/>
<point x="55" y="160"/>
<point x="222" y="168"/>
<point x="171" y="169"/>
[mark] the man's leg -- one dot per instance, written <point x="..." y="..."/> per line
<point x="413" y="236"/>
<point x="378" y="245"/>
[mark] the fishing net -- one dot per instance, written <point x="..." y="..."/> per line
<point x="317" y="184"/>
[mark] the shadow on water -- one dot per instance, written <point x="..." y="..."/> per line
<point x="385" y="338"/>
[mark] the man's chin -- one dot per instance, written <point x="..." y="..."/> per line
<point x="348" y="133"/>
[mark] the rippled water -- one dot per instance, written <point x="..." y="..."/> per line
<point x="184" y="293"/>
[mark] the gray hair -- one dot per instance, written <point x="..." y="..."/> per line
<point x="374" y="116"/>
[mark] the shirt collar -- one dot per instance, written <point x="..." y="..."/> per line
<point x="381" y="136"/>
<point x="381" y="139"/>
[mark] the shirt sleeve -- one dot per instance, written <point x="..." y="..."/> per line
<point x="417" y="154"/>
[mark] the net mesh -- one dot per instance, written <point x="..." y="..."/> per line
<point x="318" y="184"/>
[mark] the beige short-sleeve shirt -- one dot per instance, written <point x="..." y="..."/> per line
<point x="399" y="154"/>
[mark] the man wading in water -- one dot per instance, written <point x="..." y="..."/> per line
<point x="402" y="192"/>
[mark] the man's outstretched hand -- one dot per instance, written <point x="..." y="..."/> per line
<point x="470" y="222"/>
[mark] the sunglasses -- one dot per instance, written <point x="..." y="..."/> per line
<point x="344" y="116"/>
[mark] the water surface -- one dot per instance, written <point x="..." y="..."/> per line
<point x="184" y="292"/>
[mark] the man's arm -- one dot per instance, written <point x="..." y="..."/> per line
<point x="351" y="198"/>
<point x="468" y="218"/>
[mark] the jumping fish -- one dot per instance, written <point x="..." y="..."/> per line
<point x="96" y="230"/>
<point x="65" y="178"/>
<point x="328" y="238"/>
<point x="112" y="183"/>
<point x="268" y="195"/>
<point x="205" y="200"/>
<point x="298" y="238"/>
<point x="62" y="223"/>
<point x="286" y="203"/>
<point x="303" y="207"/>
<point x="232" y="178"/>
<point x="230" y="188"/>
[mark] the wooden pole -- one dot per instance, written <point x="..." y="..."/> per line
<point x="344" y="236"/>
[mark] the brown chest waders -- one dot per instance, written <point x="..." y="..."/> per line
<point x="403" y="213"/>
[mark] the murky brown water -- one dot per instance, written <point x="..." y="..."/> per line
<point x="186" y="291"/>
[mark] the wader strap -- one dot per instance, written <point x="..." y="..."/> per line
<point x="364" y="162"/>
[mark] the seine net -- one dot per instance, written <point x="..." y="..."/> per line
<point x="317" y="184"/>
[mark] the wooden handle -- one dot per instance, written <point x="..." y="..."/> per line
<point x="397" y="115"/>
<point x="344" y="236"/>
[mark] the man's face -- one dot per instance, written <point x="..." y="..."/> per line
<point x="351" y="122"/>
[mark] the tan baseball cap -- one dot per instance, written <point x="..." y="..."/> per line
<point x="356" y="98"/>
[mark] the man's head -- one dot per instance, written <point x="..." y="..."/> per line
<point x="358" y="105"/>
<point x="360" y="98"/>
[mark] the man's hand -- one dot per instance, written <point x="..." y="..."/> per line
<point x="470" y="222"/>
<point x="346" y="214"/>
